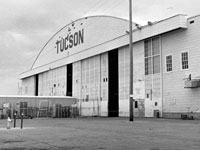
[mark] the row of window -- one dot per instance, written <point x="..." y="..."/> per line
<point x="184" y="62"/>
<point x="152" y="57"/>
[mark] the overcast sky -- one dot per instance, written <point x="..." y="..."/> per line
<point x="26" y="25"/>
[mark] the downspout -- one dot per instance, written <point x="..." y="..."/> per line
<point x="161" y="75"/>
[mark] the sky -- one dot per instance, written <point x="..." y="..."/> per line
<point x="26" y="26"/>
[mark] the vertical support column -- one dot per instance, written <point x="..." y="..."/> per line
<point x="131" y="63"/>
<point x="161" y="76"/>
<point x="15" y="114"/>
<point x="22" y="115"/>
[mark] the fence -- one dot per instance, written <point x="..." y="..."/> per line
<point x="38" y="106"/>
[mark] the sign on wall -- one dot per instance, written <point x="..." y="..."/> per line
<point x="70" y="41"/>
<point x="6" y="105"/>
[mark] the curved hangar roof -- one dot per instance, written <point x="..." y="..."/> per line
<point x="80" y="39"/>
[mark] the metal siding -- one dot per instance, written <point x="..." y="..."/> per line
<point x="138" y="79"/>
<point x="28" y="86"/>
<point x="176" y="97"/>
<point x="77" y="80"/>
<point x="104" y="84"/>
<point x="124" y="81"/>
<point x="53" y="82"/>
<point x="94" y="71"/>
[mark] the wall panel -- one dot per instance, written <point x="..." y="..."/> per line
<point x="53" y="82"/>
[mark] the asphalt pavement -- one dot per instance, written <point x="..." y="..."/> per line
<point x="94" y="133"/>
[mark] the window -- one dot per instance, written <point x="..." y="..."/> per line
<point x="136" y="104"/>
<point x="147" y="48"/>
<point x="169" y="63"/>
<point x="156" y="64"/>
<point x="184" y="60"/>
<point x="148" y="67"/>
<point x="155" y="46"/>
<point x="152" y="56"/>
<point x="191" y="22"/>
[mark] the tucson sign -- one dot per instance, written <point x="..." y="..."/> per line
<point x="71" y="40"/>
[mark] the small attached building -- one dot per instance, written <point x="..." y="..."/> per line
<point x="89" y="60"/>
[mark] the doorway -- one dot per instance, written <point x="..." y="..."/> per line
<point x="36" y="84"/>
<point x="113" y="84"/>
<point x="69" y="80"/>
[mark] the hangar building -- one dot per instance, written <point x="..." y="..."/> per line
<point x="89" y="60"/>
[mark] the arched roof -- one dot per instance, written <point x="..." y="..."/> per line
<point x="95" y="30"/>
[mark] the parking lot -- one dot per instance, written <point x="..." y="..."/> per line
<point x="101" y="133"/>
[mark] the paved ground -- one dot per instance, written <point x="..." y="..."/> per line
<point x="102" y="133"/>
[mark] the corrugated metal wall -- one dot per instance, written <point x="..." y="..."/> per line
<point x="53" y="82"/>
<point x="28" y="86"/>
<point x="138" y="80"/>
<point x="90" y="85"/>
<point x="152" y="92"/>
<point x="124" y="81"/>
<point x="77" y="83"/>
<point x="104" y="85"/>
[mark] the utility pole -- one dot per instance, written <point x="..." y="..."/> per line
<point x="131" y="116"/>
